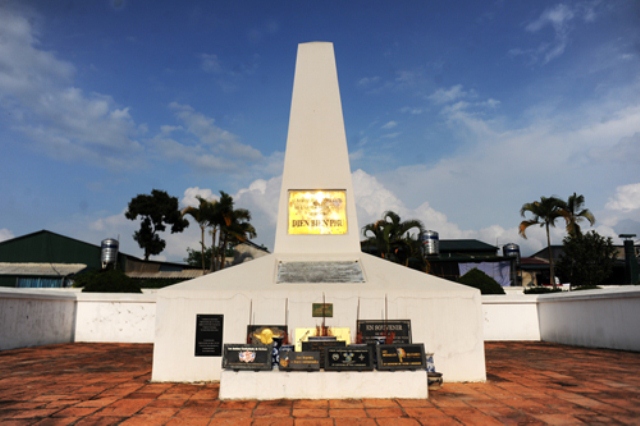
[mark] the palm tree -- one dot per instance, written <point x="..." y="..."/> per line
<point x="391" y="238"/>
<point x="573" y="213"/>
<point x="230" y="226"/>
<point x="545" y="212"/>
<point x="201" y="214"/>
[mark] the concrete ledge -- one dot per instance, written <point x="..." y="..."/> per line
<point x="276" y="384"/>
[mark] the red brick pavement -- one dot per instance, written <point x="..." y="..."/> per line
<point x="527" y="383"/>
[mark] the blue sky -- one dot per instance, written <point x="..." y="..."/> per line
<point x="456" y="113"/>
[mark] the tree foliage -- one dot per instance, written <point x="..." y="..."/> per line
<point x="587" y="260"/>
<point x="543" y="213"/>
<point x="106" y="281"/>
<point x="546" y="211"/>
<point x="233" y="225"/>
<point x="228" y="226"/>
<point x="199" y="258"/>
<point x="477" y="279"/>
<point x="574" y="212"/>
<point x="204" y="215"/>
<point x="156" y="210"/>
<point x="392" y="239"/>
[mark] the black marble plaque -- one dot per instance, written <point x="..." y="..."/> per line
<point x="349" y="358"/>
<point x="318" y="345"/>
<point x="375" y="331"/>
<point x="320" y="272"/>
<point x="247" y="357"/>
<point x="299" y="361"/>
<point x="209" y="334"/>
<point x="401" y="357"/>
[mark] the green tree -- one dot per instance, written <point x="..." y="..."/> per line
<point x="156" y="210"/>
<point x="233" y="224"/>
<point x="574" y="213"/>
<point x="199" y="258"/>
<point x="391" y="238"/>
<point x="204" y="216"/>
<point x="587" y="260"/>
<point x="477" y="279"/>
<point x="544" y="213"/>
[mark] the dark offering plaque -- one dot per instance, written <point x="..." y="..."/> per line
<point x="401" y="357"/>
<point x="319" y="345"/>
<point x="349" y="358"/>
<point x="374" y="331"/>
<point x="299" y="361"/>
<point x="209" y="335"/>
<point x="247" y="357"/>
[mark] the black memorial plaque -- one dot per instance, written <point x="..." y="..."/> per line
<point x="401" y="357"/>
<point x="209" y="335"/>
<point x="374" y="331"/>
<point x="247" y="357"/>
<point x="299" y="361"/>
<point x="316" y="344"/>
<point x="349" y="358"/>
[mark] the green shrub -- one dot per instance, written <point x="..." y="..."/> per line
<point x="158" y="282"/>
<point x="483" y="282"/>
<point x="542" y="290"/>
<point x="111" y="281"/>
<point x="586" y="287"/>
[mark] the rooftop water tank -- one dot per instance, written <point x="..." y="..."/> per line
<point x="109" y="252"/>
<point x="430" y="243"/>
<point x="511" y="250"/>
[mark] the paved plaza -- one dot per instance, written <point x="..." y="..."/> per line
<point x="527" y="383"/>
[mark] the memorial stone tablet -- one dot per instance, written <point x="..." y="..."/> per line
<point x="247" y="357"/>
<point x="319" y="272"/>
<point x="401" y="357"/>
<point x="375" y="331"/>
<point x="316" y="344"/>
<point x="209" y="335"/>
<point x="349" y="358"/>
<point x="299" y="361"/>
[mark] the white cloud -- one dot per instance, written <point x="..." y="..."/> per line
<point x="217" y="139"/>
<point x="37" y="92"/>
<point x="191" y="194"/>
<point x="451" y="94"/>
<point x="210" y="63"/>
<point x="389" y="125"/>
<point x="5" y="234"/>
<point x="626" y="198"/>
<point x="561" y="19"/>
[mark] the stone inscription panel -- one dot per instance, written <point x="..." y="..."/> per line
<point x="319" y="272"/>
<point x="209" y="335"/>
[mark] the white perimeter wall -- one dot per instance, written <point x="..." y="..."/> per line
<point x="595" y="318"/>
<point x="36" y="317"/>
<point x="33" y="317"/>
<point x="592" y="318"/>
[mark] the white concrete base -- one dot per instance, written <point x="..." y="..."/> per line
<point x="276" y="384"/>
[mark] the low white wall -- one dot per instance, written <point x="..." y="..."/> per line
<point x="592" y="318"/>
<point x="510" y="317"/>
<point x="35" y="317"/>
<point x="115" y="317"/>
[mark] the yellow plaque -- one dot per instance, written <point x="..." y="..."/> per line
<point x="317" y="212"/>
<point x="302" y="335"/>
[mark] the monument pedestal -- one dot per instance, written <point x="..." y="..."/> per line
<point x="316" y="260"/>
<point x="276" y="384"/>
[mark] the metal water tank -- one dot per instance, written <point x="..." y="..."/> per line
<point x="430" y="243"/>
<point x="109" y="252"/>
<point x="511" y="250"/>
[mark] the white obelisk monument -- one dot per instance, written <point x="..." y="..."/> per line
<point x="317" y="259"/>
